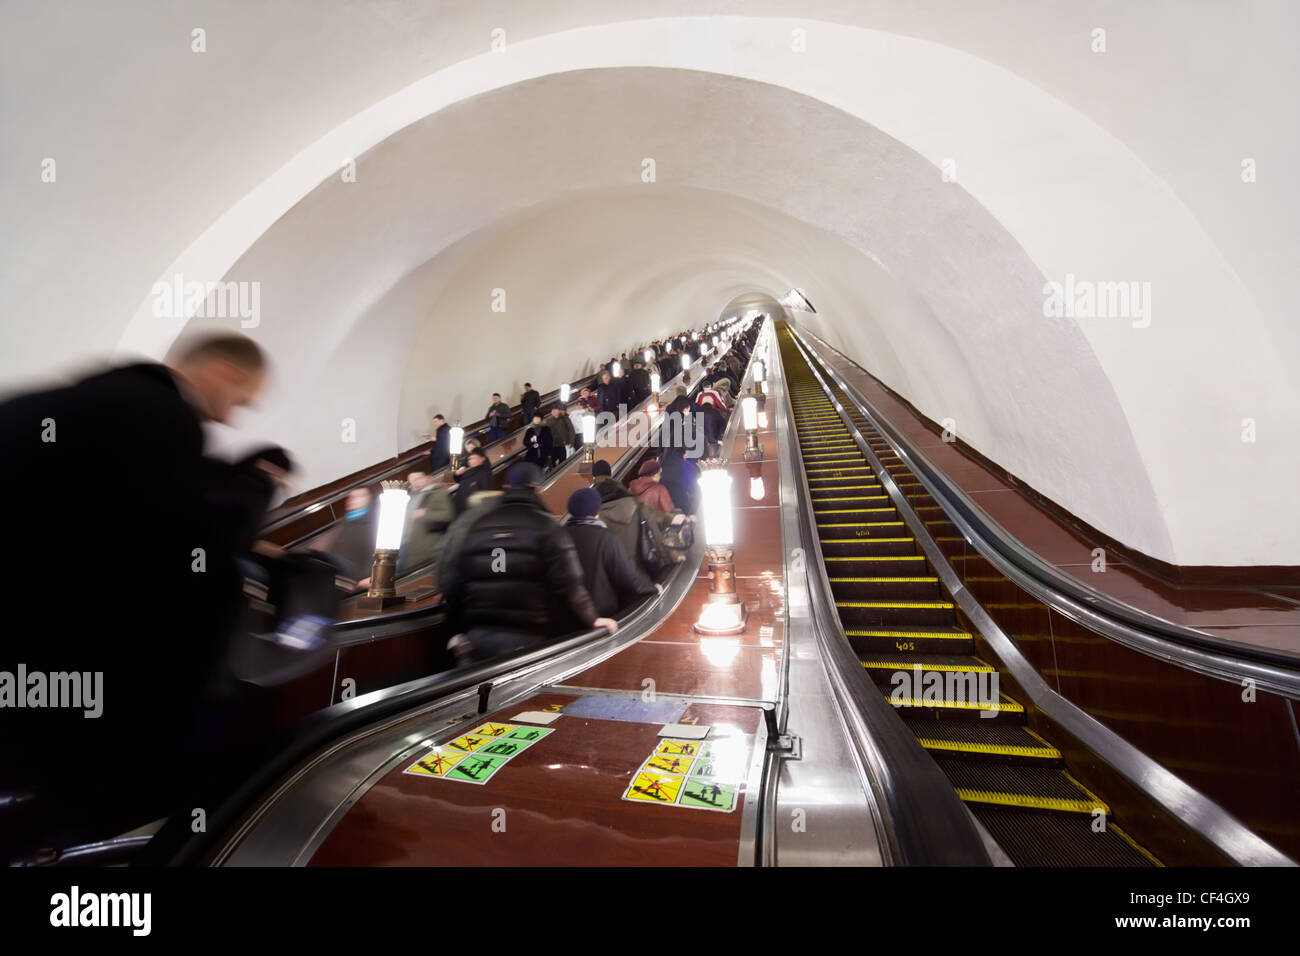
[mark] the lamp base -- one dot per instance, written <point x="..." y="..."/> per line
<point x="380" y="602"/>
<point x="721" y="619"/>
<point x="753" y="454"/>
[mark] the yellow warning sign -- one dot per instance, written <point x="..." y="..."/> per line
<point x="468" y="743"/>
<point x="492" y="730"/>
<point x="436" y="763"/>
<point x="679" y="748"/>
<point x="667" y="763"/>
<point x="654" y="787"/>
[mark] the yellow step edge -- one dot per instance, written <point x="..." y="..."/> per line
<point x="864" y="540"/>
<point x="882" y="557"/>
<point x="1002" y="750"/>
<point x="905" y="666"/>
<point x="849" y="488"/>
<point x="852" y="511"/>
<point x="933" y="635"/>
<point x="852" y="498"/>
<point x="1131" y="842"/>
<point x="900" y="605"/>
<point x="882" y="580"/>
<point x="1030" y="801"/>
<point x="858" y="524"/>
<point x="1005" y="706"/>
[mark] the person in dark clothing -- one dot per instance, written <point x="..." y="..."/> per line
<point x="429" y="515"/>
<point x="511" y="576"/>
<point x="352" y="543"/>
<point x="563" y="435"/>
<point x="151" y="620"/>
<point x="609" y="394"/>
<point x="477" y="477"/>
<point x="612" y="578"/>
<point x="538" y="442"/>
<point x="624" y="516"/>
<point x="440" y="454"/>
<point x="497" y="418"/>
<point x="530" y="401"/>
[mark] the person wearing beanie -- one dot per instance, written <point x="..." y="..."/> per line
<point x="511" y="576"/>
<point x="612" y="578"/>
<point x="648" y="489"/>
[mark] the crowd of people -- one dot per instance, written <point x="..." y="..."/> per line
<point x="512" y="575"/>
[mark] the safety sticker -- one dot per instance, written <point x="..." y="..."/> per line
<point x="692" y="773"/>
<point x="475" y="757"/>
<point x="654" y="787"/>
<point x="680" y="748"/>
<point x="436" y="763"/>
<point x="476" y="769"/>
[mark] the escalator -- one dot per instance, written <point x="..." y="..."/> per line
<point x="916" y="647"/>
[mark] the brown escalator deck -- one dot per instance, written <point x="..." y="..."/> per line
<point x="909" y="638"/>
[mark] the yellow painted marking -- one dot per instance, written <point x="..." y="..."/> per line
<point x="859" y="524"/>
<point x="848" y="488"/>
<point x="852" y="511"/>
<point x="907" y="666"/>
<point x="883" y="580"/>
<point x="861" y="540"/>
<point x="1128" y="839"/>
<point x="1029" y="800"/>
<point x="901" y="605"/>
<point x="1006" y="706"/>
<point x="883" y="557"/>
<point x="1004" y="750"/>
<point x="851" y="498"/>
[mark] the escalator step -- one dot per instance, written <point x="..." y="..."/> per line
<point x="981" y="738"/>
<point x="1043" y="838"/>
<point x="1012" y="785"/>
<point x="927" y="662"/>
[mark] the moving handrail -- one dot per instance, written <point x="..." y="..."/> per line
<point x="1272" y="669"/>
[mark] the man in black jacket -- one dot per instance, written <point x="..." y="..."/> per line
<point x="476" y="477"/>
<point x="530" y="401"/>
<point x="440" y="455"/>
<point x="145" y="595"/>
<point x="511" y="576"/>
<point x="497" y="418"/>
<point x="612" y="578"/>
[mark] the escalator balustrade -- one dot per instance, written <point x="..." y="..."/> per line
<point x="905" y="628"/>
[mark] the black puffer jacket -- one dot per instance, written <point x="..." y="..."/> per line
<point x="510" y="565"/>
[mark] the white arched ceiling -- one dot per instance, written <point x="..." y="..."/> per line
<point x="1075" y="198"/>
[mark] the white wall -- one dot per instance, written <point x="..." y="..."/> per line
<point x="1068" y="161"/>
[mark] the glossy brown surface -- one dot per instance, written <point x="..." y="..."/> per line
<point x="563" y="797"/>
<point x="559" y="803"/>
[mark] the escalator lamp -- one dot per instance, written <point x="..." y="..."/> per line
<point x="654" y="382"/>
<point x="392" y="518"/>
<point x="457" y="440"/>
<point x="564" y="393"/>
<point x="686" y="361"/>
<point x="715" y="486"/>
<point x="588" y="429"/>
<point x="749" y="409"/>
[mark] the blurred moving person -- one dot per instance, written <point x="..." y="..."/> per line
<point x="440" y="454"/>
<point x="563" y="435"/>
<point x="511" y="576"/>
<point x="429" y="514"/>
<point x="352" y="543"/>
<point x="529" y="402"/>
<point x="538" y="445"/>
<point x="145" y="622"/>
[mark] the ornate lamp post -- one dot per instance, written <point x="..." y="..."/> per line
<point x="723" y="612"/>
<point x="383" y="573"/>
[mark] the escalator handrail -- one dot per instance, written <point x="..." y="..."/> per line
<point x="921" y="820"/>
<point x="1163" y="787"/>
<point x="1275" y="670"/>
